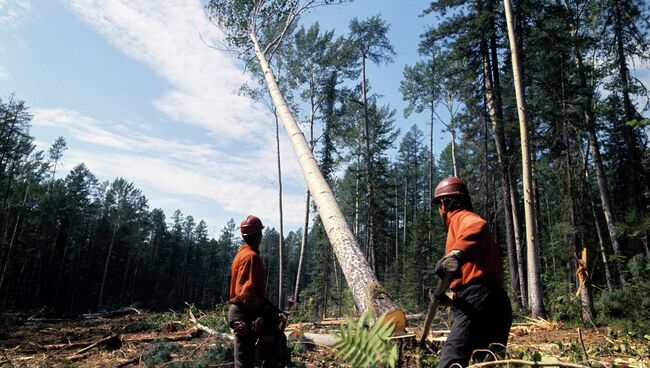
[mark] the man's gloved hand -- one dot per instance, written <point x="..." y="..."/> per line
<point x="450" y="264"/>
<point x="240" y="328"/>
<point x="444" y="300"/>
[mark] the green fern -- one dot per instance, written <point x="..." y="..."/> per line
<point x="362" y="347"/>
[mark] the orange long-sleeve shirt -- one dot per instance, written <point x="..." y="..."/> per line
<point x="469" y="233"/>
<point x="248" y="278"/>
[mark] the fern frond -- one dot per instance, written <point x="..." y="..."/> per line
<point x="363" y="347"/>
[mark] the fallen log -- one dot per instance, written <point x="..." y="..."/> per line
<point x="116" y="313"/>
<point x="299" y="336"/>
<point x="202" y="327"/>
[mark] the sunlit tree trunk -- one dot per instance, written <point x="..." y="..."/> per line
<point x="281" y="240"/>
<point x="369" y="241"/>
<point x="496" y="118"/>
<point x="534" y="280"/>
<point x="368" y="294"/>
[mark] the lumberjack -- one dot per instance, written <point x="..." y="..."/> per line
<point x="472" y="261"/>
<point x="257" y="323"/>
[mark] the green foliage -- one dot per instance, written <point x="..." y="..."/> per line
<point x="164" y="352"/>
<point x="363" y="347"/>
<point x="630" y="305"/>
<point x="639" y="124"/>
<point x="160" y="354"/>
<point x="370" y="38"/>
<point x="562" y="303"/>
<point x="158" y="321"/>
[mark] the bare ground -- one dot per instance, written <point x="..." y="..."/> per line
<point x="134" y="341"/>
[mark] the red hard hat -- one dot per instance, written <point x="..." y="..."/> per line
<point x="251" y="225"/>
<point x="449" y="186"/>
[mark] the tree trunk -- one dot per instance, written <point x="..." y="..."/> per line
<point x="598" y="162"/>
<point x="12" y="241"/>
<point x="521" y="254"/>
<point x="396" y="218"/>
<point x="405" y="229"/>
<point x="357" y="194"/>
<point x="368" y="294"/>
<point x="630" y="114"/>
<point x="281" y="240"/>
<point x="430" y="201"/>
<point x="534" y="281"/>
<point x="369" y="195"/>
<point x="100" y="302"/>
<point x="599" y="229"/>
<point x="601" y="245"/>
<point x="303" y="244"/>
<point x="496" y="118"/>
<point x="453" y="148"/>
<point x="587" y="304"/>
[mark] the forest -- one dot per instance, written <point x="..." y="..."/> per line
<point x="73" y="244"/>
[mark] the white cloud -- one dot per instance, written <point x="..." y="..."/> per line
<point x="166" y="36"/>
<point x="172" y="172"/>
<point x="12" y="13"/>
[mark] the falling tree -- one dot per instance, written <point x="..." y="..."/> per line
<point x="242" y="21"/>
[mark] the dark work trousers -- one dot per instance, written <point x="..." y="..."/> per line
<point x="482" y="320"/>
<point x="244" y="343"/>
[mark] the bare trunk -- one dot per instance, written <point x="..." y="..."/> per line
<point x="303" y="244"/>
<point x="430" y="201"/>
<point x="521" y="254"/>
<point x="366" y="290"/>
<point x="534" y="281"/>
<point x="496" y="118"/>
<point x="13" y="239"/>
<point x="281" y="240"/>
<point x="406" y="193"/>
<point x="396" y="218"/>
<point x="583" y="281"/>
<point x="369" y="195"/>
<point x="601" y="246"/>
<point x="100" y="302"/>
<point x="598" y="162"/>
<point x="453" y="149"/>
<point x="357" y="196"/>
<point x="630" y="114"/>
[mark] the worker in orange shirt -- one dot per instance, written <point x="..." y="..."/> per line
<point x="256" y="322"/>
<point x="483" y="313"/>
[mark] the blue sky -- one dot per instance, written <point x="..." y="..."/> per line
<point x="137" y="94"/>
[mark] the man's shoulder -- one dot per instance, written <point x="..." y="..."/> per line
<point x="471" y="219"/>
<point x="245" y="252"/>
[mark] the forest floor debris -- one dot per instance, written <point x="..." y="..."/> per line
<point x="173" y="340"/>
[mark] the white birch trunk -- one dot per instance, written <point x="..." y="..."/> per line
<point x="368" y="294"/>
